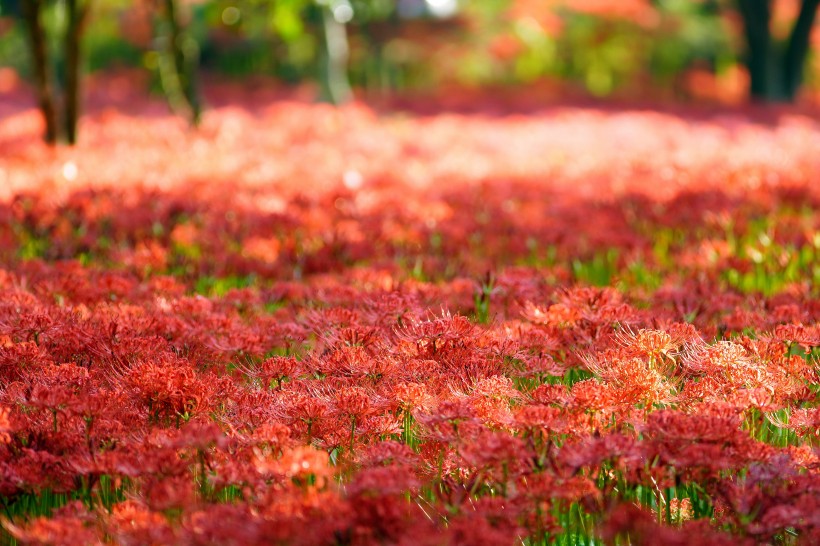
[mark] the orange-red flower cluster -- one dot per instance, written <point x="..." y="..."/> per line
<point x="316" y="326"/>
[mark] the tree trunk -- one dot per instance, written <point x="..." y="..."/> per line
<point x="798" y="48"/>
<point x="756" y="19"/>
<point x="335" y="86"/>
<point x="32" y="13"/>
<point x="178" y="67"/>
<point x="75" y="16"/>
<point x="775" y="73"/>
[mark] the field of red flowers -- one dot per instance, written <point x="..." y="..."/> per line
<point x="307" y="325"/>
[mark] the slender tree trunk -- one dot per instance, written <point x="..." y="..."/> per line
<point x="32" y="13"/>
<point x="333" y="69"/>
<point x="178" y="68"/>
<point x="797" y="48"/>
<point x="76" y="13"/>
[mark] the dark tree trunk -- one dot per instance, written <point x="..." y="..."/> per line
<point x="32" y="13"/>
<point x="797" y="48"/>
<point x="75" y="16"/>
<point x="756" y="18"/>
<point x="775" y="72"/>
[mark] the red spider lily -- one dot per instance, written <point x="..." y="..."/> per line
<point x="413" y="397"/>
<point x="6" y="425"/>
<point x="590" y="451"/>
<point x="131" y="522"/>
<point x="65" y="528"/>
<point x="309" y="394"/>
<point x="39" y="470"/>
<point x="538" y="420"/>
<point x="807" y="336"/>
<point x="272" y="371"/>
<point x="553" y="489"/>
<point x="434" y="335"/>
<point x="550" y="394"/>
<point x="642" y="528"/>
<point x="16" y="358"/>
<point x="803" y="421"/>
<point x="388" y="452"/>
<point x="171" y="388"/>
<point x="715" y="426"/>
<point x="162" y="493"/>
<point x="637" y="380"/>
<point x="306" y="414"/>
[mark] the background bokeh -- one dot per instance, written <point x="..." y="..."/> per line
<point x="662" y="49"/>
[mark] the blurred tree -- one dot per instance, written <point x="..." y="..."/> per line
<point x="178" y="60"/>
<point x="330" y="20"/>
<point x="317" y="29"/>
<point x="775" y="69"/>
<point x="75" y="14"/>
<point x="775" y="65"/>
<point x="333" y="77"/>
<point x="32" y="13"/>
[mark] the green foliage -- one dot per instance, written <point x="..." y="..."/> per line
<point x="597" y="271"/>
<point x="284" y="38"/>
<point x="217" y="287"/>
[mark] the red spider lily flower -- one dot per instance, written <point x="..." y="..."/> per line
<point x="590" y="451"/>
<point x="550" y="395"/>
<point x="17" y="358"/>
<point x="804" y="335"/>
<point x="492" y="457"/>
<point x="803" y="421"/>
<point x="272" y="371"/>
<point x="556" y="315"/>
<point x="593" y="396"/>
<point x="300" y="464"/>
<point x="275" y="436"/>
<point x="637" y="380"/>
<point x="6" y="425"/>
<point x="352" y="403"/>
<point x="715" y="426"/>
<point x="641" y="527"/>
<point x="413" y="397"/>
<point x="433" y="335"/>
<point x="70" y="525"/>
<point x="445" y="421"/>
<point x="379" y="427"/>
<point x="491" y="525"/>
<point x="168" y="492"/>
<point x="541" y="420"/>
<point x="547" y="487"/>
<point x="133" y="523"/>
<point x="197" y="434"/>
<point x="383" y="481"/>
<point x="649" y="343"/>
<point x="35" y="471"/>
<point x="388" y="452"/>
<point x="171" y="388"/>
<point x="540" y="365"/>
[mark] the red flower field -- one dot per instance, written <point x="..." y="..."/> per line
<point x="307" y="325"/>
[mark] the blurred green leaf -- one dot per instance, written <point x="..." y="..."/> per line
<point x="287" y="19"/>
